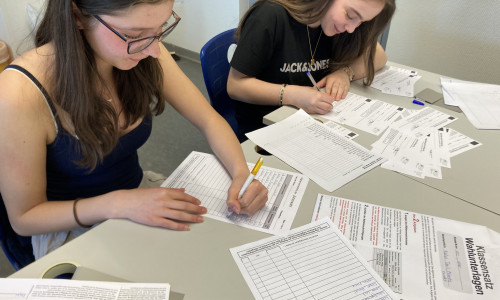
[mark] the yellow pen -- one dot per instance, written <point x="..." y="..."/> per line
<point x="252" y="175"/>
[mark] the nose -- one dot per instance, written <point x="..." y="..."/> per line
<point x="351" y="26"/>
<point x="152" y="50"/>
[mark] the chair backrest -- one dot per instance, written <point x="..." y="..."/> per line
<point x="215" y="68"/>
<point x="17" y="248"/>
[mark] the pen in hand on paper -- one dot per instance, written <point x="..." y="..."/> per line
<point x="250" y="177"/>
<point x="313" y="81"/>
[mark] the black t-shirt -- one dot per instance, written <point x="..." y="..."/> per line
<point x="274" y="47"/>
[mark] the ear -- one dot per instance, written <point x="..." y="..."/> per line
<point x="77" y="14"/>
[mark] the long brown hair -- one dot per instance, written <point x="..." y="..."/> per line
<point x="362" y="41"/>
<point x="75" y="81"/>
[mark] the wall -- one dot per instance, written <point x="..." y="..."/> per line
<point x="457" y="38"/>
<point x="201" y="20"/>
<point x="16" y="26"/>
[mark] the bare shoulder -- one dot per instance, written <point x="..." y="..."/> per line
<point x="19" y="96"/>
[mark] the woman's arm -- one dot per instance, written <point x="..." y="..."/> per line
<point x="252" y="90"/>
<point x="26" y="128"/>
<point x="183" y="95"/>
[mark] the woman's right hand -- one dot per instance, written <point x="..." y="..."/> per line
<point x="308" y="98"/>
<point x="161" y="207"/>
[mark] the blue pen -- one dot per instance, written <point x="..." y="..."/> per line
<point x="415" y="101"/>
<point x="313" y="81"/>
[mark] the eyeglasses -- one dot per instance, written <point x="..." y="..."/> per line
<point x="137" y="45"/>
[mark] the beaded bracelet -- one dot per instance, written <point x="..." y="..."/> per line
<point x="282" y="91"/>
<point x="76" y="216"/>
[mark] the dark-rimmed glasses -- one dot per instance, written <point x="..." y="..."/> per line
<point x="138" y="45"/>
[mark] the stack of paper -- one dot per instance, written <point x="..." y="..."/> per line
<point x="480" y="102"/>
<point x="396" y="81"/>
<point x="419" y="146"/>
<point x="370" y="115"/>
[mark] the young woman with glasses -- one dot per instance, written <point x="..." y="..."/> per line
<point x="279" y="41"/>
<point x="74" y="111"/>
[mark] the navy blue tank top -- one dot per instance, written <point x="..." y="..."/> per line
<point x="66" y="180"/>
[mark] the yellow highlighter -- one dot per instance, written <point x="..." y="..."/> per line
<point x="252" y="175"/>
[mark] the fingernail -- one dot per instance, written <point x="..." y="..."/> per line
<point x="199" y="219"/>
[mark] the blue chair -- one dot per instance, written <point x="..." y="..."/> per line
<point x="215" y="68"/>
<point x="17" y="248"/>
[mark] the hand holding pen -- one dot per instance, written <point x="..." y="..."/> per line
<point x="249" y="180"/>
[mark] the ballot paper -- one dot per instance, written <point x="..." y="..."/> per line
<point x="396" y="81"/>
<point x="316" y="150"/>
<point x="59" y="289"/>
<point x="419" y="256"/>
<point x="204" y="177"/>
<point x="421" y="156"/>
<point x="480" y="102"/>
<point x="423" y="121"/>
<point x="314" y="261"/>
<point x="370" y="115"/>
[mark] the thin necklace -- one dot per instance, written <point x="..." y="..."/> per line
<point x="310" y="48"/>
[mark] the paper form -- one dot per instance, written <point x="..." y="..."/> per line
<point x="341" y="130"/>
<point x="203" y="176"/>
<point x="314" y="261"/>
<point x="59" y="289"/>
<point x="423" y="121"/>
<point x="315" y="150"/>
<point x="396" y="81"/>
<point x="370" y="115"/>
<point x="419" y="256"/>
<point x="459" y="143"/>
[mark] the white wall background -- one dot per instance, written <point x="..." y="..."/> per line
<point x="14" y="23"/>
<point x="458" y="38"/>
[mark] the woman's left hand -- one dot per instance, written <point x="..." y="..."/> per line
<point x="254" y="198"/>
<point x="336" y="84"/>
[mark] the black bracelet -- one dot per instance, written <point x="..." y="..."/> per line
<point x="76" y="216"/>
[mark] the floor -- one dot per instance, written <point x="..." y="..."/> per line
<point x="173" y="138"/>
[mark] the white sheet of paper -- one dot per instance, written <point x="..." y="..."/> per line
<point x="315" y="150"/>
<point x="415" y="156"/>
<point x="396" y="81"/>
<point x="480" y="102"/>
<point x="370" y="115"/>
<point x="407" y="249"/>
<point x="314" y="261"/>
<point x="459" y="143"/>
<point x="341" y="130"/>
<point x="60" y="289"/>
<point x="423" y="121"/>
<point x="204" y="177"/>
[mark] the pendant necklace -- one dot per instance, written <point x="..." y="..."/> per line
<point x="310" y="47"/>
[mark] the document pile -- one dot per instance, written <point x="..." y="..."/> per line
<point x="396" y="81"/>
<point x="480" y="102"/>
<point x="419" y="144"/>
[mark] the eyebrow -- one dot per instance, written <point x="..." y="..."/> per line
<point x="141" y="28"/>
<point x="357" y="13"/>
